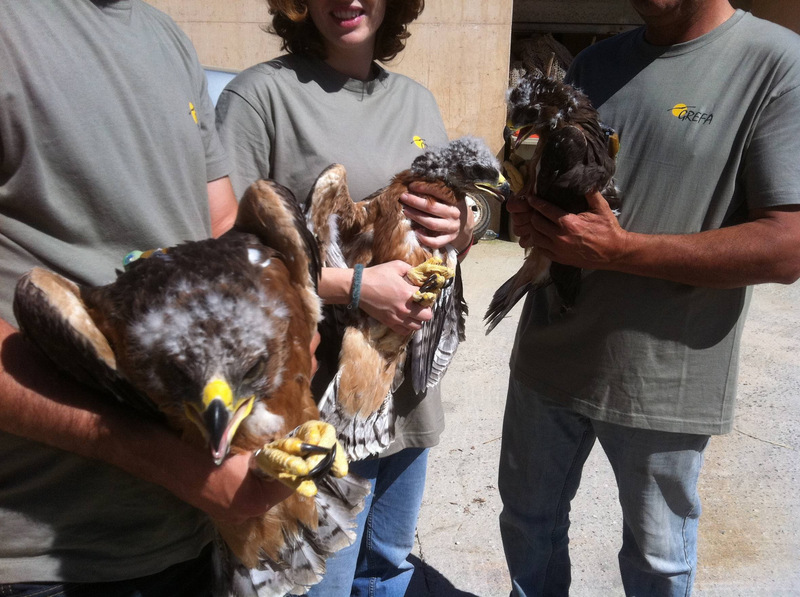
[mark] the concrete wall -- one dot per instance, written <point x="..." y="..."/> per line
<point x="458" y="49"/>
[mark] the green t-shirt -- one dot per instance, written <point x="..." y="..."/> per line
<point x="708" y="130"/>
<point x="100" y="153"/>
<point x="290" y="118"/>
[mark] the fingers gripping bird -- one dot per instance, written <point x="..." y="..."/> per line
<point x="574" y="155"/>
<point x="213" y="337"/>
<point x="371" y="358"/>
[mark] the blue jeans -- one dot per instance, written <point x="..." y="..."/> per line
<point x="543" y="452"/>
<point x="194" y="578"/>
<point x="376" y="565"/>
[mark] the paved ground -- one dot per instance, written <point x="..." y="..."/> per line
<point x="750" y="527"/>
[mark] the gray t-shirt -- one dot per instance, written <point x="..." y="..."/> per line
<point x="708" y="130"/>
<point x="290" y="118"/>
<point x="100" y="153"/>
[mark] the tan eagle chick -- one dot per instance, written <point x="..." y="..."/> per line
<point x="213" y="337"/>
<point x="371" y="358"/>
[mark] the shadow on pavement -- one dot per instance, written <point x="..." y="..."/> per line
<point x="429" y="582"/>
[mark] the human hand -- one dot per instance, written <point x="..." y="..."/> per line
<point x="386" y="295"/>
<point x="591" y="239"/>
<point x="440" y="223"/>
<point x="521" y="213"/>
<point x="232" y="493"/>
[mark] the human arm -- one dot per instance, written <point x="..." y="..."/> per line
<point x="766" y="248"/>
<point x="39" y="403"/>
<point x="385" y="294"/>
<point x="222" y="205"/>
<point x="441" y="224"/>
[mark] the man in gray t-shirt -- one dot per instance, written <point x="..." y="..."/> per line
<point x="706" y="101"/>
<point x="107" y="144"/>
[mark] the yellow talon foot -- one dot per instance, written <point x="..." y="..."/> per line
<point x="426" y="299"/>
<point x="431" y="276"/>
<point x="297" y="460"/>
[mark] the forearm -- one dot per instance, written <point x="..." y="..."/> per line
<point x="335" y="285"/>
<point x="755" y="252"/>
<point x="385" y="294"/>
<point x="462" y="250"/>
<point x="222" y="205"/>
<point x="766" y="248"/>
<point x="39" y="403"/>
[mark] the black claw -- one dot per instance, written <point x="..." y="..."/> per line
<point x="307" y="449"/>
<point x="429" y="284"/>
<point x="325" y="465"/>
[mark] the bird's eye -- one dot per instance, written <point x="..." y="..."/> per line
<point x="483" y="173"/>
<point x="255" y="372"/>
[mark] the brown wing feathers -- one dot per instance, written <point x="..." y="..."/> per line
<point x="249" y="295"/>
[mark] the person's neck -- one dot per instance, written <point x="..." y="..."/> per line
<point x="356" y="64"/>
<point x="686" y="27"/>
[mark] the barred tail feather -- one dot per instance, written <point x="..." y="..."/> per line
<point x="361" y="436"/>
<point x="339" y="500"/>
<point x="301" y="561"/>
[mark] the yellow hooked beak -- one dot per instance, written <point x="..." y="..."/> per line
<point x="523" y="132"/>
<point x="501" y="190"/>
<point x="219" y="416"/>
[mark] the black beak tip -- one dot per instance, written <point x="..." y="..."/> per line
<point x="505" y="191"/>
<point x="216" y="418"/>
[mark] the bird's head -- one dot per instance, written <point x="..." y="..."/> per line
<point x="218" y="415"/>
<point x="539" y="104"/>
<point x="466" y="165"/>
<point x="209" y="351"/>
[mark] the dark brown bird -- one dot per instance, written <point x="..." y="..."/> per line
<point x="574" y="155"/>
<point x="370" y="357"/>
<point x="213" y="337"/>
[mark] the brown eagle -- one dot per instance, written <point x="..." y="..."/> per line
<point x="369" y="358"/>
<point x="213" y="337"/>
<point x="574" y="155"/>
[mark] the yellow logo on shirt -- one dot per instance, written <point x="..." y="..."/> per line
<point x="419" y="142"/>
<point x="193" y="112"/>
<point x="689" y="114"/>
<point x="679" y="109"/>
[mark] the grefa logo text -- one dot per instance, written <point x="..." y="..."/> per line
<point x="689" y="114"/>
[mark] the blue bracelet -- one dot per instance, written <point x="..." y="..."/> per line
<point x="355" y="289"/>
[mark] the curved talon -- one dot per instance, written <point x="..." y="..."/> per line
<point x="307" y="449"/>
<point x="297" y="462"/>
<point x="324" y="465"/>
<point x="432" y="283"/>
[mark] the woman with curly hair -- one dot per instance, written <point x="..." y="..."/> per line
<point x="328" y="100"/>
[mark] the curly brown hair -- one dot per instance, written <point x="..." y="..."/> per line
<point x="299" y="35"/>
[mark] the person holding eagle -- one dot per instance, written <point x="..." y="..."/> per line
<point x="97" y="161"/>
<point x="706" y="102"/>
<point x="327" y="101"/>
